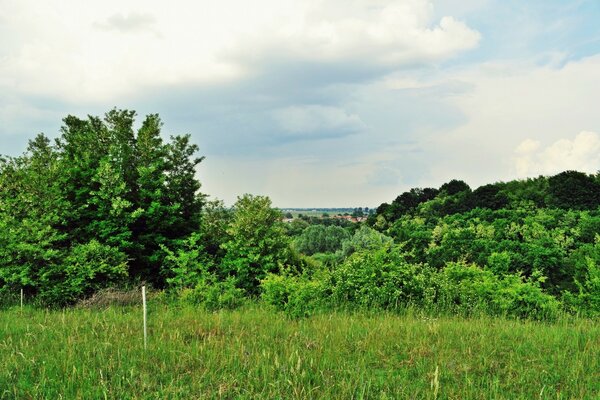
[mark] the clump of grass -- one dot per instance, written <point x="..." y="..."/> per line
<point x="108" y="297"/>
<point x="254" y="353"/>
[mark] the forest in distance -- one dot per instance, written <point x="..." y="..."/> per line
<point x="106" y="205"/>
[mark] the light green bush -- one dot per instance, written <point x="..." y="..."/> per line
<point x="295" y="296"/>
<point x="87" y="268"/>
<point x="470" y="289"/>
<point x="381" y="278"/>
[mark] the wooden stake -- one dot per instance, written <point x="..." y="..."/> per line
<point x="144" y="307"/>
<point x="21" y="298"/>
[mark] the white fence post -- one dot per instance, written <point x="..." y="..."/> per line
<point x="144" y="307"/>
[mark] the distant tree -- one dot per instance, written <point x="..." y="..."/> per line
<point x="358" y="212"/>
<point x="364" y="238"/>
<point x="489" y="196"/>
<point x="406" y="203"/>
<point x="289" y="215"/>
<point x="321" y="239"/>
<point x="453" y="187"/>
<point x="296" y="227"/>
<point x="574" y="190"/>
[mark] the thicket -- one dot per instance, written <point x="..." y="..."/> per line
<point x="107" y="205"/>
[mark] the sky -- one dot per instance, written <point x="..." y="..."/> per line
<point x="337" y="103"/>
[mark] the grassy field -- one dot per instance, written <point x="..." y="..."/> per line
<point x="255" y="353"/>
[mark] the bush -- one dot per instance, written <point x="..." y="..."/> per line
<point x="188" y="265"/>
<point x="321" y="239"/>
<point x="295" y="296"/>
<point x="380" y="279"/>
<point x="214" y="295"/>
<point x="470" y="289"/>
<point x="587" y="299"/>
<point x="87" y="268"/>
<point x="365" y="238"/>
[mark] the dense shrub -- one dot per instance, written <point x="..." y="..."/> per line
<point x="587" y="297"/>
<point x="257" y="245"/>
<point x="379" y="278"/>
<point x="321" y="239"/>
<point x="365" y="239"/>
<point x="87" y="268"/>
<point x="214" y="295"/>
<point x="296" y="296"/>
<point x="470" y="289"/>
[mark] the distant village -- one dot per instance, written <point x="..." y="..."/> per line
<point x="354" y="215"/>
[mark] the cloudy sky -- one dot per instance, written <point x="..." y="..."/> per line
<point x="320" y="103"/>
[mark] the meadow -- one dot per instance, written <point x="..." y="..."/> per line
<point x="257" y="353"/>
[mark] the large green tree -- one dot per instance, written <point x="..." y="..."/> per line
<point x="104" y="190"/>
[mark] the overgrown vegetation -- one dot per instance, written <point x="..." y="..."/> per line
<point x="443" y="293"/>
<point x="108" y="205"/>
<point x="253" y="353"/>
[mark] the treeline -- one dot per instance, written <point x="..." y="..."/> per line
<point x="527" y="248"/>
<point x="569" y="190"/>
<point x="107" y="204"/>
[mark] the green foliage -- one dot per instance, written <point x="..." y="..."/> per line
<point x="214" y="224"/>
<point x="109" y="202"/>
<point x="214" y="295"/>
<point x="257" y="245"/>
<point x="296" y="227"/>
<point x="86" y="268"/>
<point x="575" y="190"/>
<point x="193" y="278"/>
<point x="187" y="266"/>
<point x="380" y="278"/>
<point x="406" y="203"/>
<point x="102" y="186"/>
<point x="467" y="288"/>
<point x="453" y="187"/>
<point x="129" y="189"/>
<point x="296" y="296"/>
<point x="321" y="239"/>
<point x="586" y="298"/>
<point x="364" y="239"/>
<point x="488" y="196"/>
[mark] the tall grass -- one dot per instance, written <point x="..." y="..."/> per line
<point x="255" y="353"/>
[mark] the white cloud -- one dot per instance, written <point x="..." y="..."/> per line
<point x="527" y="147"/>
<point x="55" y="49"/>
<point x="582" y="153"/>
<point x="128" y="23"/>
<point x="316" y="120"/>
<point x="388" y="33"/>
<point x="516" y="106"/>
